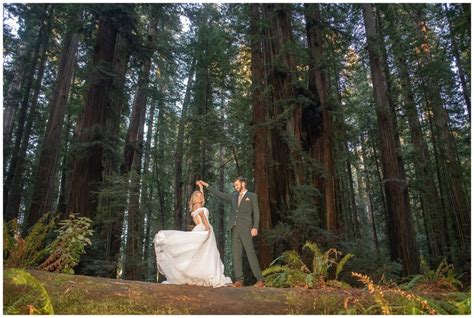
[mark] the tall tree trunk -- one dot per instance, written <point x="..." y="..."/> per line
<point x="115" y="216"/>
<point x="88" y="167"/>
<point x="391" y="98"/>
<point x="279" y="78"/>
<point x="15" y="191"/>
<point x="148" y="252"/>
<point x="447" y="147"/>
<point x="352" y="202"/>
<point x="401" y="234"/>
<point x="199" y="146"/>
<point x="319" y="84"/>
<point x="158" y="164"/>
<point x="442" y="189"/>
<point x="220" y="233"/>
<point x="437" y="236"/>
<point x="179" y="153"/>
<point x="46" y="178"/>
<point x="260" y="132"/>
<point x="133" y="157"/>
<point x="11" y="103"/>
<point x="370" y="198"/>
<point x="22" y="115"/>
<point x="459" y="65"/>
<point x="62" y="204"/>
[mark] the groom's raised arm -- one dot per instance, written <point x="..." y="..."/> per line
<point x="222" y="195"/>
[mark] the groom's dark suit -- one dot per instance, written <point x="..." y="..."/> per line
<point x="242" y="219"/>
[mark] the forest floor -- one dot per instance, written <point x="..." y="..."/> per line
<point x="76" y="294"/>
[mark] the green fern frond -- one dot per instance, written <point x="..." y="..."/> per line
<point x="35" y="240"/>
<point x="442" y="267"/>
<point x="23" y="278"/>
<point x="341" y="264"/>
<point x="293" y="259"/>
<point x="413" y="282"/>
<point x="274" y="269"/>
<point x="313" y="247"/>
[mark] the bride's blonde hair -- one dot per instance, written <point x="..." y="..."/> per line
<point x="191" y="200"/>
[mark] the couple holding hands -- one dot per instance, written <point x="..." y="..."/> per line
<point x="193" y="258"/>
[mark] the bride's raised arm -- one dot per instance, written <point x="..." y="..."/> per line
<point x="201" y="188"/>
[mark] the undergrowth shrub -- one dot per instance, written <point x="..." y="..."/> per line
<point x="289" y="270"/>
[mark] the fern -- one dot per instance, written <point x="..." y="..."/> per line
<point x="23" y="278"/>
<point x="29" y="251"/>
<point x="274" y="269"/>
<point x="289" y="270"/>
<point x="341" y="264"/>
<point x="444" y="277"/>
<point x="73" y="235"/>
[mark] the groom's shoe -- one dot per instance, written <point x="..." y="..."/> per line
<point x="238" y="283"/>
<point x="259" y="284"/>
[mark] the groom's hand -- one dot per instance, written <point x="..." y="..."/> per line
<point x="254" y="232"/>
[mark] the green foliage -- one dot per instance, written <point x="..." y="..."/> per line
<point x="394" y="300"/>
<point x="29" y="251"/>
<point x="33" y="299"/>
<point x="73" y="236"/>
<point x="341" y="264"/>
<point x="444" y="278"/>
<point x="295" y="273"/>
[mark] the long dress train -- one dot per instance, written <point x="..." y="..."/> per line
<point x="190" y="257"/>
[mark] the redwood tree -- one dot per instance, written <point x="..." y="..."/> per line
<point x="88" y="165"/>
<point x="401" y="234"/>
<point x="322" y="142"/>
<point x="260" y="133"/>
<point x="43" y="193"/>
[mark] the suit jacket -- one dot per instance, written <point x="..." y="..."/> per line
<point x="243" y="216"/>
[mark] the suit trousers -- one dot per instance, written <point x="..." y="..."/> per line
<point x="242" y="240"/>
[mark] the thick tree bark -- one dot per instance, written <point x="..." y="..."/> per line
<point x="179" y="153"/>
<point x="88" y="167"/>
<point x="133" y="157"/>
<point x="285" y="135"/>
<point x="43" y="193"/>
<point x="22" y="116"/>
<point x="260" y="132"/>
<point x="319" y="84"/>
<point x="401" y="234"/>
<point x="15" y="190"/>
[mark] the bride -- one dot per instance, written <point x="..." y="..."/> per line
<point x="191" y="257"/>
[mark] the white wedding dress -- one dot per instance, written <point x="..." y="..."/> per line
<point x="190" y="257"/>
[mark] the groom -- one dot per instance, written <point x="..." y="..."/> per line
<point x="243" y="222"/>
